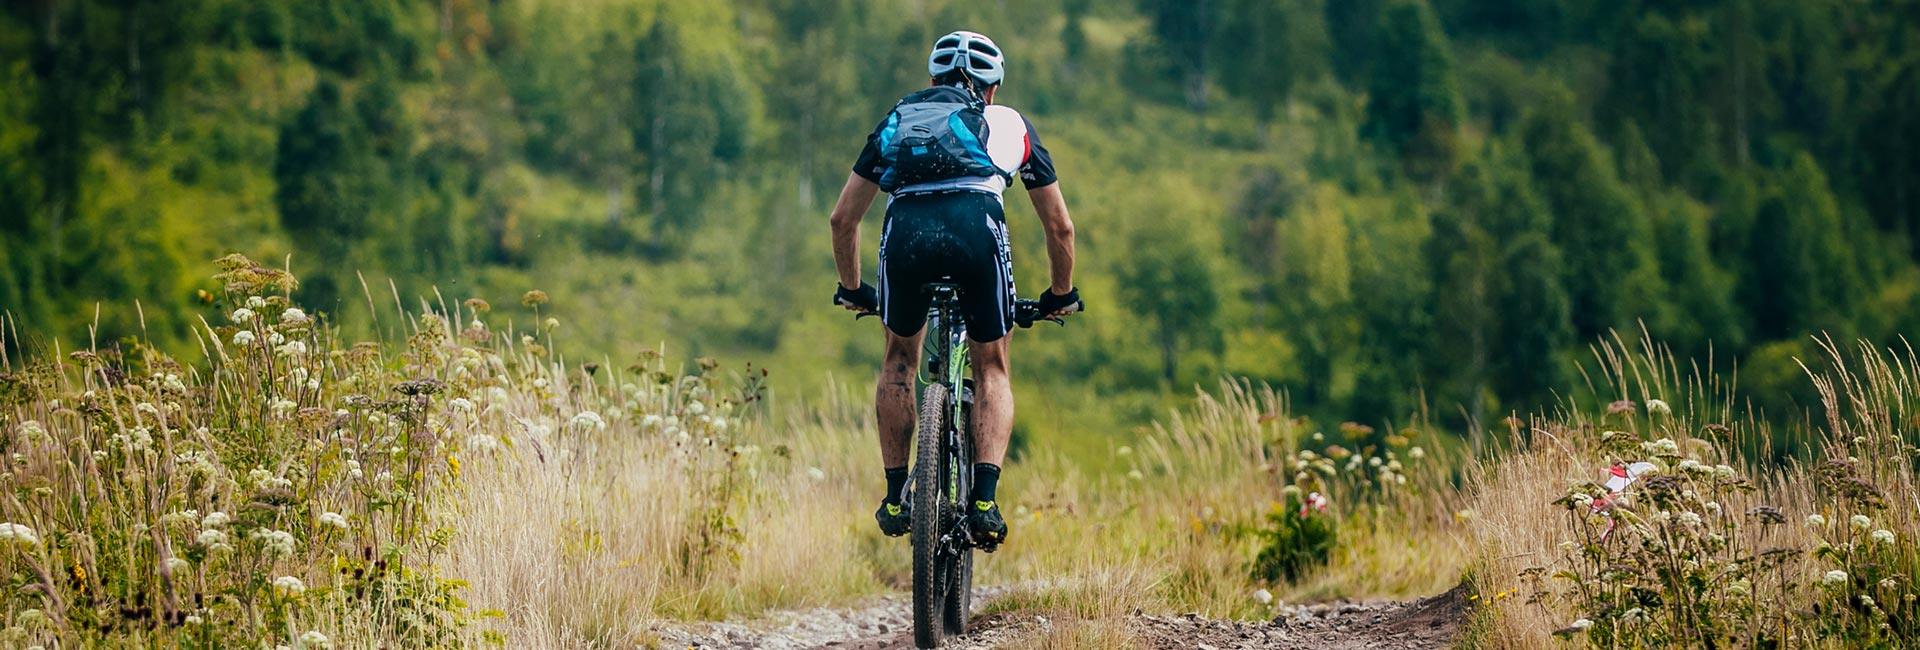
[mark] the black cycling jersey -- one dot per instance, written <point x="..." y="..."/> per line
<point x="1036" y="170"/>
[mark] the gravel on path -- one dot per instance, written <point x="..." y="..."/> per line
<point x="885" y="623"/>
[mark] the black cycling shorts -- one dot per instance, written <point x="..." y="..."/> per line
<point x="958" y="238"/>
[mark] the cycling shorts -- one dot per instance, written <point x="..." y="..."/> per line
<point x="958" y="238"/>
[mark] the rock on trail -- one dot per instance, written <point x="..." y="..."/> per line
<point x="885" y="624"/>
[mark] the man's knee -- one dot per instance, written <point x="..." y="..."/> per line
<point x="903" y="354"/>
<point x="990" y="358"/>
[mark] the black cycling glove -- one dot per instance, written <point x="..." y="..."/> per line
<point x="1050" y="303"/>
<point x="866" y="297"/>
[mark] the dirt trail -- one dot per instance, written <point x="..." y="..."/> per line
<point x="884" y="624"/>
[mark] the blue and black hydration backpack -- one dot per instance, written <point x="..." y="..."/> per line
<point x="933" y="135"/>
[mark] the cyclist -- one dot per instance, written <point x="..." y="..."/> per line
<point x="944" y="155"/>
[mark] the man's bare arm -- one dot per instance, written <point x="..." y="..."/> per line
<point x="1052" y="209"/>
<point x="855" y="198"/>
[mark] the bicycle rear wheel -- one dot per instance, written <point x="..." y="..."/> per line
<point x="959" y="601"/>
<point x="931" y="580"/>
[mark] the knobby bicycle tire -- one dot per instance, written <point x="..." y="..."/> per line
<point x="929" y="518"/>
<point x="960" y="591"/>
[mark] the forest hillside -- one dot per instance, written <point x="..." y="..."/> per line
<point x="1391" y="209"/>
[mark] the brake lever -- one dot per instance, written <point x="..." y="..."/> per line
<point x="863" y="314"/>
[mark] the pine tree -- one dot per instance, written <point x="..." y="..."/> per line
<point x="1413" y="103"/>
<point x="1611" y="274"/>
<point x="1268" y="48"/>
<point x="1185" y="29"/>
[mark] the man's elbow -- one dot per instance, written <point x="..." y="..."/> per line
<point x="1060" y="229"/>
<point x="844" y="222"/>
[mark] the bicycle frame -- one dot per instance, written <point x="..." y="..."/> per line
<point x="949" y="362"/>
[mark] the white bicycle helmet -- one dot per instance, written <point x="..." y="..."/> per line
<point x="968" y="51"/>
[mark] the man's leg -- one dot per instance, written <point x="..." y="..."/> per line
<point x="893" y="408"/>
<point x="992" y="427"/>
<point x="893" y="399"/>
<point x="992" y="402"/>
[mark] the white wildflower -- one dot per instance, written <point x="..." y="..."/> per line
<point x="460" y="404"/>
<point x="1661" y="447"/>
<point x="282" y="406"/>
<point x="481" y="442"/>
<point x="147" y="408"/>
<point x="178" y="565"/>
<point x="1374" y="461"/>
<point x="1262" y="596"/>
<point x="1659" y="406"/>
<point x="172" y="382"/>
<point x="194" y="619"/>
<point x="1136" y="475"/>
<point x="293" y="349"/>
<point x="335" y="520"/>
<point x="31" y="431"/>
<point x="651" y="421"/>
<point x="1416" y="453"/>
<point x="182" y="518"/>
<point x="1834" y="578"/>
<point x="589" y="420"/>
<point x="243" y="338"/>
<point x="293" y="315"/>
<point x="314" y="639"/>
<point x="1816" y="521"/>
<point x="242" y="315"/>
<point x="1581" y="624"/>
<point x="816" y="474"/>
<point x="1861" y="522"/>
<point x="289" y="586"/>
<point x="697" y="408"/>
<point x="256" y="302"/>
<point x="19" y="534"/>
<point x="1724" y="473"/>
<point x="1883" y="536"/>
<point x="1713" y="508"/>
<point x="1888" y="583"/>
<point x="212" y="537"/>
<point x="1633" y="616"/>
<point x="1690" y="519"/>
<point x="274" y="339"/>
<point x="278" y="542"/>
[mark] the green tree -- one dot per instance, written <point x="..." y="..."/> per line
<point x="1611" y="271"/>
<point x="327" y="181"/>
<point x="1185" y="30"/>
<point x="1413" y="102"/>
<point x="1270" y="47"/>
<point x="1171" y="284"/>
<point x="1801" y="278"/>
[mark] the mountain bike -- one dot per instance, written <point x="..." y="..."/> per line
<point x="942" y="474"/>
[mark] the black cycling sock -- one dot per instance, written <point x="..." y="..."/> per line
<point x="986" y="479"/>
<point x="896" y="484"/>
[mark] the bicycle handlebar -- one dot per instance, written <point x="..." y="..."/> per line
<point x="1026" y="312"/>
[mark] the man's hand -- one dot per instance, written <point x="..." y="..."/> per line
<point x="1055" y="306"/>
<point x="865" y="299"/>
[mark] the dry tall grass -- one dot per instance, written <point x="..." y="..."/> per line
<point x="1818" y="554"/>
